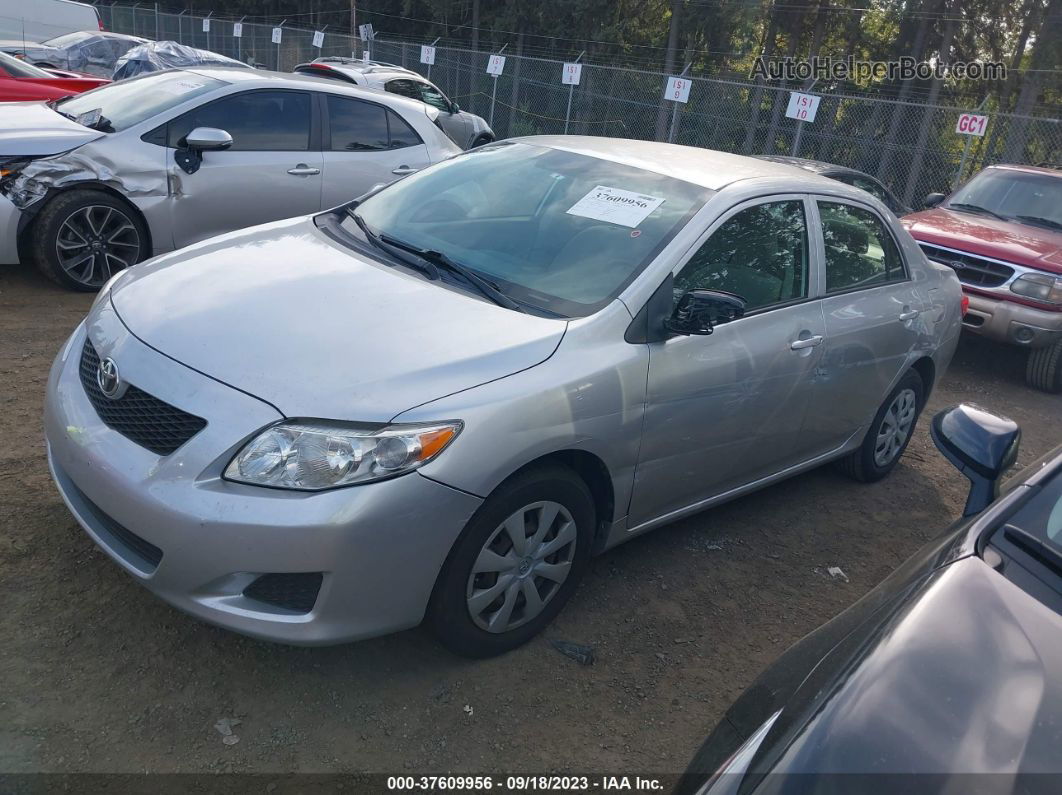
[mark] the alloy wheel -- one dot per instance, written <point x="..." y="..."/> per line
<point x="521" y="567"/>
<point x="95" y="242"/>
<point x="895" y="427"/>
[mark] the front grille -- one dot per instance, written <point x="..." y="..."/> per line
<point x="294" y="592"/>
<point x="970" y="268"/>
<point x="138" y="416"/>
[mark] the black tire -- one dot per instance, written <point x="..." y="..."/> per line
<point x="861" y="464"/>
<point x="449" y="615"/>
<point x="126" y="243"/>
<point x="1044" y="369"/>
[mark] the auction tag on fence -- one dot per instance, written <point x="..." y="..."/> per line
<point x="206" y="24"/>
<point x="971" y="124"/>
<point x="678" y="89"/>
<point x="615" y="206"/>
<point x="365" y="32"/>
<point x="571" y="74"/>
<point x="318" y="39"/>
<point x="427" y="54"/>
<point x="277" y="33"/>
<point x="802" y="107"/>
<point x="237" y="30"/>
<point x="496" y="65"/>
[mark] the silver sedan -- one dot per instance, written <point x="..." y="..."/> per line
<point x="438" y="402"/>
<point x="94" y="183"/>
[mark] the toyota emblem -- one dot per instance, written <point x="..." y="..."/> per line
<point x="108" y="379"/>
<point x="957" y="265"/>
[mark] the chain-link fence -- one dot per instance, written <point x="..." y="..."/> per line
<point x="911" y="147"/>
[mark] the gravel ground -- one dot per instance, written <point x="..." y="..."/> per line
<point x="98" y="675"/>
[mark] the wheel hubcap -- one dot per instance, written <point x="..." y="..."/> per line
<point x="895" y="427"/>
<point x="521" y="567"/>
<point x="95" y="242"/>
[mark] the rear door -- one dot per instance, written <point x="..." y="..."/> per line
<point x="365" y="144"/>
<point x="726" y="409"/>
<point x="872" y="309"/>
<point x="272" y="170"/>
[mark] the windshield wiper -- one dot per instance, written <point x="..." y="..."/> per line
<point x="1036" y="220"/>
<point x="440" y="260"/>
<point x="420" y="264"/>
<point x="975" y="208"/>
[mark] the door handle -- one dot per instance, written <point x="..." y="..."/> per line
<point x="403" y="170"/>
<point x="810" y="342"/>
<point x="910" y="314"/>
<point x="303" y="170"/>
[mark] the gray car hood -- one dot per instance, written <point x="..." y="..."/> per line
<point x="317" y="330"/>
<point x="33" y="129"/>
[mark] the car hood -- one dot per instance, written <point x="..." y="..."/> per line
<point x="285" y="314"/>
<point x="1003" y="240"/>
<point x="959" y="677"/>
<point x="34" y="129"/>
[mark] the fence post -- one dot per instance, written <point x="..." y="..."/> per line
<point x="180" y="26"/>
<point x="494" y="89"/>
<point x="674" y="111"/>
<point x="432" y="45"/>
<point x="281" y="26"/>
<point x="156" y="21"/>
<point x="571" y="90"/>
<point x="800" y="124"/>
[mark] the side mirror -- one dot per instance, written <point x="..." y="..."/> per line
<point x="700" y="311"/>
<point x="455" y="108"/>
<point x="202" y="139"/>
<point x="981" y="445"/>
<point x="933" y="199"/>
<point x="208" y="139"/>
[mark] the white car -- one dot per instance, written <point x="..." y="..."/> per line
<point x="466" y="129"/>
<point x="94" y="183"/>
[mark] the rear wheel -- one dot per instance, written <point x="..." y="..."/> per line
<point x="889" y="433"/>
<point x="515" y="565"/>
<point x="83" y="237"/>
<point x="1044" y="370"/>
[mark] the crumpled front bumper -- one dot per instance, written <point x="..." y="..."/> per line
<point x="1011" y="322"/>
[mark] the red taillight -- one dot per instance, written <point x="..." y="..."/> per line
<point x="965" y="304"/>
<point x="99" y="19"/>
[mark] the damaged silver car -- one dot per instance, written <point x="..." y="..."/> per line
<point x="94" y="183"/>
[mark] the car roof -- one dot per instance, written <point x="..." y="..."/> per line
<point x="1050" y="171"/>
<point x="262" y="78"/>
<point x="361" y="67"/>
<point x="705" y="167"/>
<point x="815" y="166"/>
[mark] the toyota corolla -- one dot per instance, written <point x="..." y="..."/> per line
<point x="434" y="404"/>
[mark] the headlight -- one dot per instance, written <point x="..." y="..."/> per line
<point x="312" y="456"/>
<point x="1041" y="286"/>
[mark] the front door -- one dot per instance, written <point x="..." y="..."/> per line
<point x="272" y="171"/>
<point x="365" y="145"/>
<point x="727" y="409"/>
<point x="873" y="321"/>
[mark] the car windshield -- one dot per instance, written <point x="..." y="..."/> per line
<point x="1033" y="199"/>
<point x="557" y="231"/>
<point x="129" y="102"/>
<point x="67" y="39"/>
<point x="13" y="67"/>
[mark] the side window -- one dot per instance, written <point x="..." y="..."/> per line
<point x="761" y="253"/>
<point x="276" y="121"/>
<point x="430" y="95"/>
<point x="859" y="250"/>
<point x="871" y="187"/>
<point x="356" y="126"/>
<point x="402" y="135"/>
<point x="404" y="88"/>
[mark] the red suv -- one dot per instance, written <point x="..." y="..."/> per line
<point x="1002" y="233"/>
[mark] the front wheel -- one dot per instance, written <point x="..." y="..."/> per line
<point x="83" y="237"/>
<point x="889" y="433"/>
<point x="1044" y="369"/>
<point x="515" y="565"/>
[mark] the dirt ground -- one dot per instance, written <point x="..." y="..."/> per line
<point x="98" y="675"/>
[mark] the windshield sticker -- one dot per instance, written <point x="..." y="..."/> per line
<point x="615" y="206"/>
<point x="179" y="87"/>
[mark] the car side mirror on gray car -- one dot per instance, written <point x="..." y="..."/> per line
<point x="202" y="139"/>
<point x="981" y="445"/>
<point x="700" y="311"/>
<point x="933" y="199"/>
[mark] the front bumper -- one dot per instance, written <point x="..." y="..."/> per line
<point x="1010" y="322"/>
<point x="9" y="218"/>
<point x="379" y="546"/>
